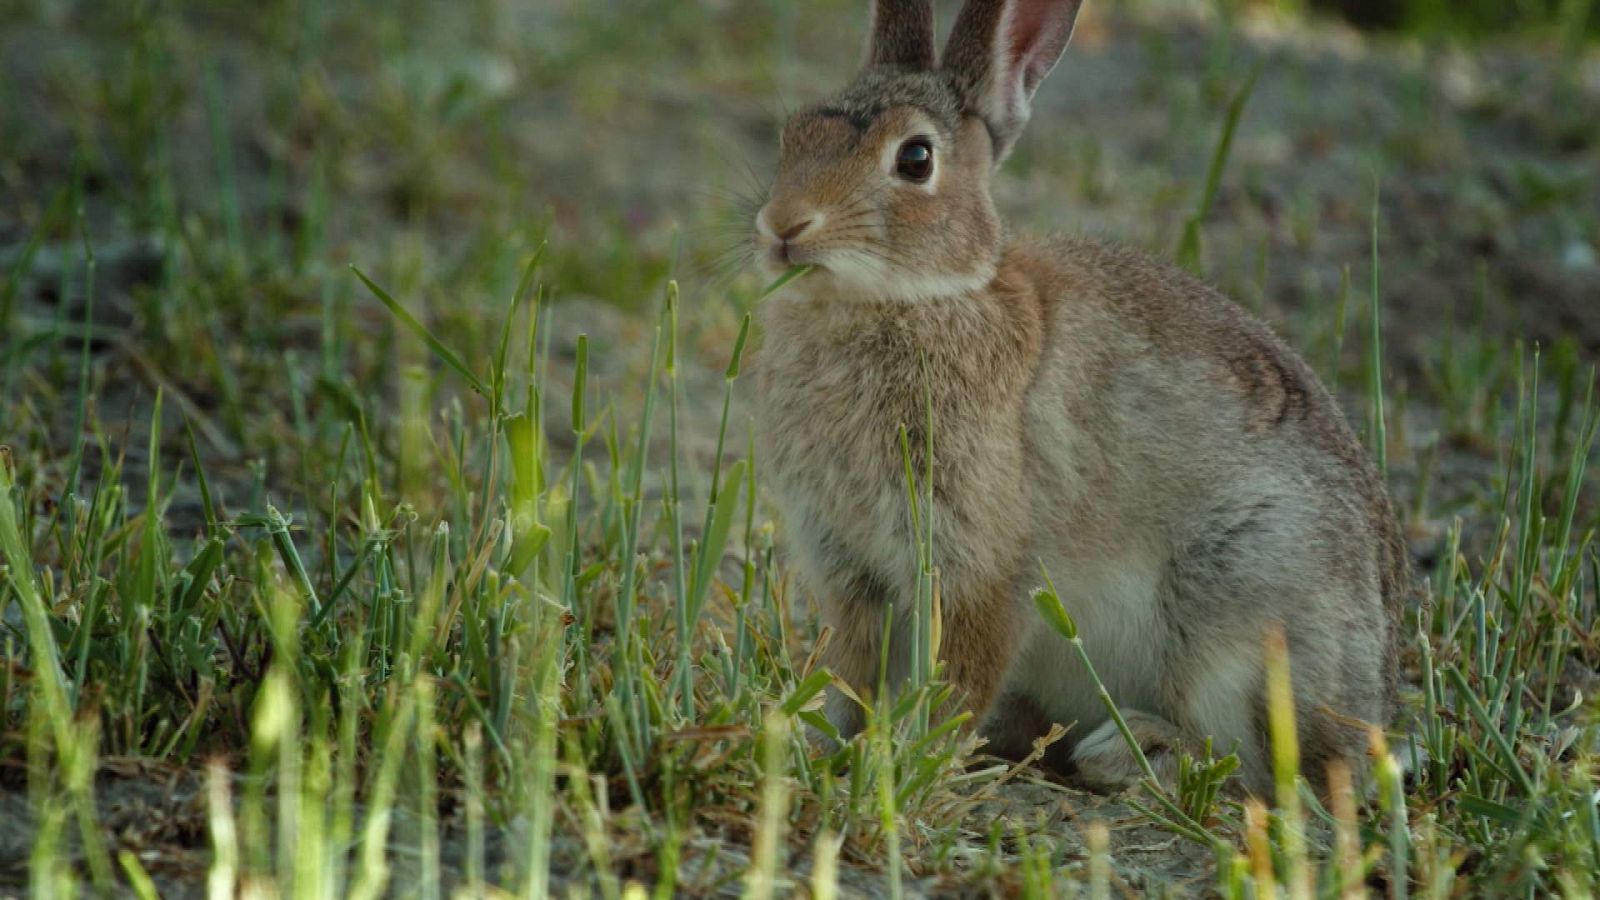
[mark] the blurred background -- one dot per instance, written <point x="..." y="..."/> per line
<point x="231" y="159"/>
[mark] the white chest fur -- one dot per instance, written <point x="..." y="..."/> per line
<point x="836" y="388"/>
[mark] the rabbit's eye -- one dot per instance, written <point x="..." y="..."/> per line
<point x="914" y="162"/>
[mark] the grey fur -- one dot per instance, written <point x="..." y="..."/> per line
<point x="902" y="34"/>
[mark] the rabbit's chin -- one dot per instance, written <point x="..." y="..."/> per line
<point x="872" y="282"/>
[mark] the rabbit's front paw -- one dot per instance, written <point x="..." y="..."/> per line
<point x="1103" y="761"/>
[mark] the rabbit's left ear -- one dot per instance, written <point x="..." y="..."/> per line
<point x="999" y="52"/>
<point x="902" y="34"/>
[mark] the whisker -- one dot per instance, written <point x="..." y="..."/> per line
<point x="832" y="233"/>
<point x="860" y="215"/>
<point x="721" y="270"/>
<point x="891" y="261"/>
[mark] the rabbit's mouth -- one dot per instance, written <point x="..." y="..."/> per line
<point x="775" y="258"/>
<point x="785" y="255"/>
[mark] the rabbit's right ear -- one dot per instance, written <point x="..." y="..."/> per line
<point x="902" y="34"/>
<point x="999" y="52"/>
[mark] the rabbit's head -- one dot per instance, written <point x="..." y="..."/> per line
<point x="884" y="186"/>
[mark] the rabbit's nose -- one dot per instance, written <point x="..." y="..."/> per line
<point x="795" y="230"/>
<point x="785" y="222"/>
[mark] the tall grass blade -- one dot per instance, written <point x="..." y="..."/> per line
<point x="1188" y="255"/>
<point x="445" y="354"/>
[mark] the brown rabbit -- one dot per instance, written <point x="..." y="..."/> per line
<point x="1180" y="472"/>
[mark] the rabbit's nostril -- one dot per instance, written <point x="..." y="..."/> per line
<point x="794" y="231"/>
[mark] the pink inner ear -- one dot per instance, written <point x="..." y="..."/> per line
<point x="1039" y="30"/>
<point x="1028" y="21"/>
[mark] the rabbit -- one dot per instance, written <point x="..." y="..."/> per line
<point x="1182" y="474"/>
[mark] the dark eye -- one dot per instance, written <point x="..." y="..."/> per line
<point x="914" y="161"/>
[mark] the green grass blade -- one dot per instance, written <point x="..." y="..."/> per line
<point x="445" y="354"/>
<point x="1188" y="255"/>
<point x="778" y="283"/>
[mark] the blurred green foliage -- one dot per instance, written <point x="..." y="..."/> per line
<point x="1566" y="17"/>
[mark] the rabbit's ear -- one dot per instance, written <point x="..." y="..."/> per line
<point x="999" y="52"/>
<point x="902" y="34"/>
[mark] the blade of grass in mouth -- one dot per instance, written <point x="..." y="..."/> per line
<point x="793" y="273"/>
